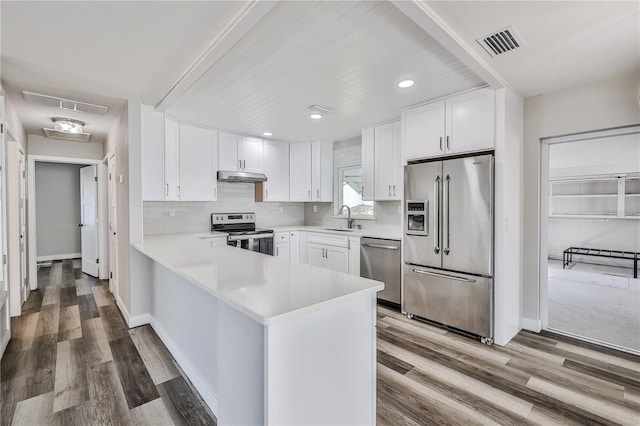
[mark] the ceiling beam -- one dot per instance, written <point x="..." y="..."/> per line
<point x="246" y="18"/>
<point x="427" y="19"/>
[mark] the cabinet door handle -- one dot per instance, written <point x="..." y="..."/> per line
<point x="448" y="140"/>
<point x="309" y="194"/>
<point x="244" y="164"/>
<point x="318" y="193"/>
<point x="394" y="190"/>
<point x="178" y="191"/>
<point x="276" y="251"/>
<point x="389" y="190"/>
<point x="167" y="194"/>
<point x="239" y="164"/>
<point x="266" y="194"/>
<point x="215" y="192"/>
<point x="363" y="192"/>
<point x="440" y="143"/>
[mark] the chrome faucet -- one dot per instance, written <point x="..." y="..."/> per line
<point x="349" y="220"/>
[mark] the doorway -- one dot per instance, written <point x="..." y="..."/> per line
<point x="590" y="237"/>
<point x="79" y="232"/>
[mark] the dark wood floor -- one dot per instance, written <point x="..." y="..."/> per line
<point x="73" y="361"/>
<point x="427" y="375"/>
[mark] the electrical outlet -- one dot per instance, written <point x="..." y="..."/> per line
<point x="315" y="208"/>
<point x="172" y="212"/>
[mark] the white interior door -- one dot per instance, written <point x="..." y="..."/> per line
<point x="113" y="235"/>
<point x="4" y="287"/>
<point x="89" y="218"/>
<point x="22" y="202"/>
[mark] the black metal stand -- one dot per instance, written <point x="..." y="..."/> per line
<point x="567" y="256"/>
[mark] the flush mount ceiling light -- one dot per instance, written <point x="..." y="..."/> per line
<point x="267" y="134"/>
<point x="67" y="125"/>
<point x="405" y="84"/>
<point x="315" y="116"/>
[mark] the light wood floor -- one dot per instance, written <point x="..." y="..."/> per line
<point x="73" y="361"/>
<point x="427" y="375"/>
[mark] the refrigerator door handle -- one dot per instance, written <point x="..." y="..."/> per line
<point x="436" y="216"/>
<point x="446" y="212"/>
<point x="449" y="277"/>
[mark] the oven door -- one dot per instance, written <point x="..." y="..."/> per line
<point x="261" y="243"/>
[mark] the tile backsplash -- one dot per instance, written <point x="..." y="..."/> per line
<point x="386" y="213"/>
<point x="232" y="197"/>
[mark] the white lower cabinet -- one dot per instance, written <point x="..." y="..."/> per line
<point x="294" y="246"/>
<point x="328" y="251"/>
<point x="281" y="245"/>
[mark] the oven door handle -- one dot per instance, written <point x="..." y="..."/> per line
<point x="249" y="237"/>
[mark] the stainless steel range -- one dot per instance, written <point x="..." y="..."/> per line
<point x="242" y="231"/>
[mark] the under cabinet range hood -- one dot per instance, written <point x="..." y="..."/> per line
<point x="238" y="176"/>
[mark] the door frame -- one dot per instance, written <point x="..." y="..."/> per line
<point x="543" y="259"/>
<point x="31" y="220"/>
<point x="111" y="247"/>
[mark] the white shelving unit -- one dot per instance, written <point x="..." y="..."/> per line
<point x="595" y="197"/>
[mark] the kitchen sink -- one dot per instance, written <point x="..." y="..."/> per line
<point x="340" y="229"/>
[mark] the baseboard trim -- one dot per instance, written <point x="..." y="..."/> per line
<point x="201" y="386"/>
<point x="4" y="344"/>
<point x="123" y="309"/>
<point x="58" y="257"/>
<point x="531" y="324"/>
<point x="139" y="320"/>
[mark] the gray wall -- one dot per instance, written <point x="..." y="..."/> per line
<point x="57" y="208"/>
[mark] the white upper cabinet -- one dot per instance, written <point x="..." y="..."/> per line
<point x="276" y="168"/>
<point x="237" y="152"/>
<point x="388" y="165"/>
<point x="171" y="158"/>
<point x="368" y="164"/>
<point x="152" y="153"/>
<point x="251" y="154"/>
<point x="300" y="172"/>
<point x="179" y="162"/>
<point x="322" y="171"/>
<point x="470" y="121"/>
<point x="198" y="149"/>
<point x="462" y="123"/>
<point x="228" y="144"/>
<point x="423" y="131"/>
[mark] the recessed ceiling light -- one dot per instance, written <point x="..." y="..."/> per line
<point x="405" y="83"/>
<point x="315" y="116"/>
<point x="267" y="134"/>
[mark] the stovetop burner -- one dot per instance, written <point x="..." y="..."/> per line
<point x="236" y="224"/>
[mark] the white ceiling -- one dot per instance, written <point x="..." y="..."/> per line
<point x="568" y="43"/>
<point x="348" y="55"/>
<point x="101" y="52"/>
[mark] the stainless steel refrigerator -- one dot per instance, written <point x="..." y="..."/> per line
<point x="448" y="243"/>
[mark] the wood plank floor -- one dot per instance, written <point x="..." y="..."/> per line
<point x="72" y="361"/>
<point x="427" y="375"/>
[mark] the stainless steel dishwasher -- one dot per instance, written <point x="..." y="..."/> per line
<point x="380" y="260"/>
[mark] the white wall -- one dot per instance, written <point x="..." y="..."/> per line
<point x="57" y="209"/>
<point x="39" y="145"/>
<point x="118" y="143"/>
<point x="600" y="105"/>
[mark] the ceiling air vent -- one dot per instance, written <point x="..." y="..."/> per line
<point x="501" y="41"/>
<point x="320" y="109"/>
<point x="66" y="104"/>
<point x="78" y="137"/>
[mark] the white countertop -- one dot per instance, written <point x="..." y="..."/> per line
<point x="265" y="288"/>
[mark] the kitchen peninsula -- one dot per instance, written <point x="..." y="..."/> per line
<point x="264" y="340"/>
